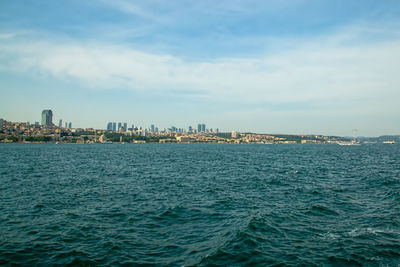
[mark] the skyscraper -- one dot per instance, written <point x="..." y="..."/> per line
<point x="119" y="126"/>
<point x="199" y="128"/>
<point x="114" y="128"/>
<point x="60" y="123"/>
<point x="70" y="125"/>
<point x="125" y="126"/>
<point x="47" y="117"/>
<point x="203" y="128"/>
<point x="190" y="130"/>
<point x="152" y="128"/>
<point x="109" y="126"/>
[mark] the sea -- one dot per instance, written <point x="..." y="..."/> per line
<point x="200" y="204"/>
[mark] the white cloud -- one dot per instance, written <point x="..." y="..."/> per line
<point x="317" y="69"/>
<point x="130" y="8"/>
<point x="6" y="35"/>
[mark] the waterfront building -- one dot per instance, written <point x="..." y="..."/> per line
<point x="47" y="117"/>
<point x="109" y="126"/>
<point x="235" y="134"/>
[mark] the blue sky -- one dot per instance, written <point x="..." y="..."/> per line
<point x="323" y="67"/>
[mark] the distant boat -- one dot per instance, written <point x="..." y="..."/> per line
<point x="389" y="142"/>
<point x="352" y="143"/>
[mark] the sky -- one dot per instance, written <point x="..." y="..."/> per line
<point x="266" y="66"/>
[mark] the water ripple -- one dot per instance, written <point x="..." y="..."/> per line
<point x="201" y="205"/>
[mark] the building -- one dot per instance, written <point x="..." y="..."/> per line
<point x="183" y="139"/>
<point x="114" y="128"/>
<point x="109" y="126"/>
<point x="190" y="130"/>
<point x="47" y="117"/>
<point x="152" y="128"/>
<point x="119" y="126"/>
<point x="203" y="128"/>
<point x="199" y="128"/>
<point x="235" y="134"/>
<point x="125" y="126"/>
<point x="70" y="125"/>
<point x="60" y="123"/>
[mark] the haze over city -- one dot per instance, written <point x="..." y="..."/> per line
<point x="322" y="67"/>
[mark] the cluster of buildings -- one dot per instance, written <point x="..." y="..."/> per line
<point x="47" y="120"/>
<point x="27" y="132"/>
<point x="120" y="132"/>
<point x="154" y="130"/>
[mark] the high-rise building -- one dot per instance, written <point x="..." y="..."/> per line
<point x="199" y="128"/>
<point x="119" y="126"/>
<point x="66" y="125"/>
<point x="152" y="128"/>
<point x="125" y="126"/>
<point x="109" y="126"/>
<point x="60" y="123"/>
<point x="114" y="128"/>
<point x="190" y="130"/>
<point x="47" y="117"/>
<point x="203" y="128"/>
<point x="70" y="125"/>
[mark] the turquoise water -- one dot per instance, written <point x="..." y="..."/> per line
<point x="199" y="204"/>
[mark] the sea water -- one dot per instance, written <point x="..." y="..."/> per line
<point x="199" y="204"/>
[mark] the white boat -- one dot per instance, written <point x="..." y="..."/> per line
<point x="389" y="142"/>
<point x="352" y="143"/>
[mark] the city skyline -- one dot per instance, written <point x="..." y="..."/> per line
<point x="296" y="67"/>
